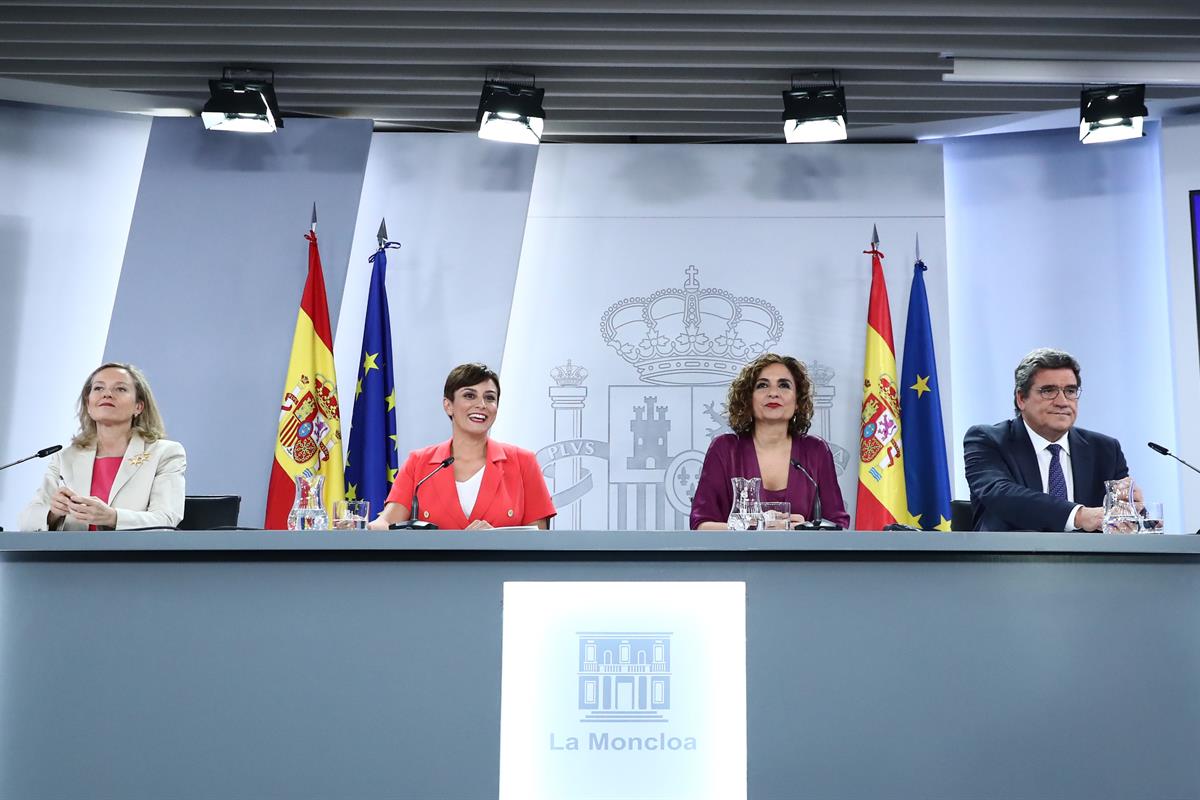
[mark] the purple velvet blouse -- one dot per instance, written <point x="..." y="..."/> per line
<point x="733" y="456"/>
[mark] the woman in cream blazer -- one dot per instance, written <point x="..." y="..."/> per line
<point x="118" y="418"/>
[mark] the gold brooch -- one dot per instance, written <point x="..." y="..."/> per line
<point x="139" y="459"/>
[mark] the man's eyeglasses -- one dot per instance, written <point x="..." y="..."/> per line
<point x="1051" y="392"/>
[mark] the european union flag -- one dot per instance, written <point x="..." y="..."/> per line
<point x="371" y="458"/>
<point x="926" y="472"/>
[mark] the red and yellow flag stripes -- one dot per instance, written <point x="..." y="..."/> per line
<point x="309" y="439"/>
<point x="881" y="495"/>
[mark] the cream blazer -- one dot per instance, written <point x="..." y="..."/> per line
<point x="146" y="492"/>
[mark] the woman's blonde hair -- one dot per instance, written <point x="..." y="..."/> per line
<point x="148" y="423"/>
<point x="739" y="403"/>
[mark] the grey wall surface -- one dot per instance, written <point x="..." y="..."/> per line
<point x="214" y="269"/>
<point x="357" y="675"/>
<point x="68" y="182"/>
<point x="1056" y="245"/>
<point x="457" y="204"/>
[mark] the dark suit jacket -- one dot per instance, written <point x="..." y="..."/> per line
<point x="1006" y="485"/>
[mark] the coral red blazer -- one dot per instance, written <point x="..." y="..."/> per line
<point x="513" y="491"/>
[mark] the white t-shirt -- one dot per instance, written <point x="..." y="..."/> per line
<point x="468" y="492"/>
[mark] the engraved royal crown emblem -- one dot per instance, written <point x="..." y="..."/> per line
<point x="690" y="336"/>
<point x="569" y="374"/>
<point x="821" y="374"/>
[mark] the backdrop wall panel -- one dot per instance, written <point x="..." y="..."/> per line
<point x="1181" y="174"/>
<point x="457" y="205"/>
<point x="1046" y="238"/>
<point x="69" y="182"/>
<point x="766" y="241"/>
<point x="213" y="273"/>
<point x="1056" y="244"/>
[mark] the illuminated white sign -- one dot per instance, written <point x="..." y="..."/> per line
<point x="633" y="689"/>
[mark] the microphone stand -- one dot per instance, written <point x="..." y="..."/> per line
<point x="1158" y="448"/>
<point x="45" y="451"/>
<point x="412" y="523"/>
<point x="815" y="522"/>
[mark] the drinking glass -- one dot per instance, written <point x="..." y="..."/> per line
<point x="351" y="515"/>
<point x="777" y="516"/>
<point x="1152" y="517"/>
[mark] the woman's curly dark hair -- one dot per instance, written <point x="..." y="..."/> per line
<point x="739" y="404"/>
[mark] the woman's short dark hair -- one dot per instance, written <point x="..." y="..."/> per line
<point x="1039" y="359"/>
<point x="469" y="375"/>
<point x="739" y="403"/>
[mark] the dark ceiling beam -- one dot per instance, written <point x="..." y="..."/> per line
<point x="368" y="23"/>
<point x="1033" y="9"/>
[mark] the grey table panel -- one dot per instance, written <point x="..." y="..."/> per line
<point x="799" y="542"/>
<point x="919" y="671"/>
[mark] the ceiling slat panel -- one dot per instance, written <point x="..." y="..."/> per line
<point x="672" y="70"/>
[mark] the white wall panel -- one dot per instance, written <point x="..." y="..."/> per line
<point x="69" y="182"/>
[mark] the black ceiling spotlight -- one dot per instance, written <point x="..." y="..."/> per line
<point x="1112" y="113"/>
<point x="814" y="113"/>
<point x="510" y="108"/>
<point x="243" y="101"/>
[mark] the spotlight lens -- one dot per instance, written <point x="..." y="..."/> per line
<point x="830" y="129"/>
<point x="1098" y="133"/>
<point x="506" y="127"/>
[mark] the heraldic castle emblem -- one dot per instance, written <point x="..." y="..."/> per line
<point x="685" y="345"/>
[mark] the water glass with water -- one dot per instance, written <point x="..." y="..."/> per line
<point x="351" y="515"/>
<point x="1152" y="517"/>
<point x="777" y="516"/>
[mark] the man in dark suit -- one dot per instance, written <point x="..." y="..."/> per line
<point x="1039" y="472"/>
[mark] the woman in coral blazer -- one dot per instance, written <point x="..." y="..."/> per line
<point x="489" y="484"/>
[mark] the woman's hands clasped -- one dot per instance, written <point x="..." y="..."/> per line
<point x="88" y="510"/>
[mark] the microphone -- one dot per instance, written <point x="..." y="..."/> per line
<point x="412" y="523"/>
<point x="815" y="522"/>
<point x="45" y="451"/>
<point x="1158" y="448"/>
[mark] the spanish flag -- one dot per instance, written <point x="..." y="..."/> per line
<point x="881" y="496"/>
<point x="309" y="439"/>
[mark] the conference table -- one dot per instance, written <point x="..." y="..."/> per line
<point x="264" y="664"/>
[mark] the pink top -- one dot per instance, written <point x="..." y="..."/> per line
<point x="103" y="474"/>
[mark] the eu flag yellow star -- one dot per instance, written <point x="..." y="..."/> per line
<point x="921" y="386"/>
<point x="392" y="475"/>
<point x="944" y="525"/>
<point x="396" y="441"/>
<point x="358" y="388"/>
<point x="369" y="362"/>
<point x="352" y="492"/>
<point x="391" y="400"/>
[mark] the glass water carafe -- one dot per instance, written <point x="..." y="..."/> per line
<point x="746" y="512"/>
<point x="1120" y="513"/>
<point x="308" y="511"/>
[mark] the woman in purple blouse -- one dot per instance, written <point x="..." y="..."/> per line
<point x="770" y="409"/>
